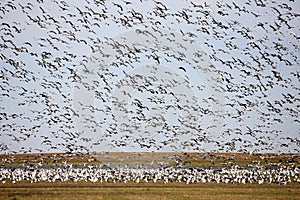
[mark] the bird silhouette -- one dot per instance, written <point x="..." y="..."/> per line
<point x="47" y="60"/>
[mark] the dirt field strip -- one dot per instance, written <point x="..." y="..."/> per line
<point x="149" y="159"/>
<point x="145" y="192"/>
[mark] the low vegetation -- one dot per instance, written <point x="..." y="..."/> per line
<point x="147" y="191"/>
<point x="150" y="159"/>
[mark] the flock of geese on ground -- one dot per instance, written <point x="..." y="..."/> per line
<point x="45" y="49"/>
<point x="234" y="174"/>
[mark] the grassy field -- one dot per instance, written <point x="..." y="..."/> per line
<point x="149" y="158"/>
<point x="47" y="159"/>
<point x="147" y="191"/>
<point x="196" y="159"/>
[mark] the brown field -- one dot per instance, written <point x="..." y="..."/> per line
<point x="195" y="159"/>
<point x="147" y="191"/>
<point x="150" y="159"/>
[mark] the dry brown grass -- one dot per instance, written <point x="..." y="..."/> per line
<point x="50" y="159"/>
<point x="147" y="191"/>
<point x="151" y="158"/>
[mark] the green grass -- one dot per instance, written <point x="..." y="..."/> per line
<point x="173" y="191"/>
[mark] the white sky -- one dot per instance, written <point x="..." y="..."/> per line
<point x="226" y="31"/>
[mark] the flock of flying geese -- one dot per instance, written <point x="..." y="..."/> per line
<point x="45" y="54"/>
<point x="235" y="174"/>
